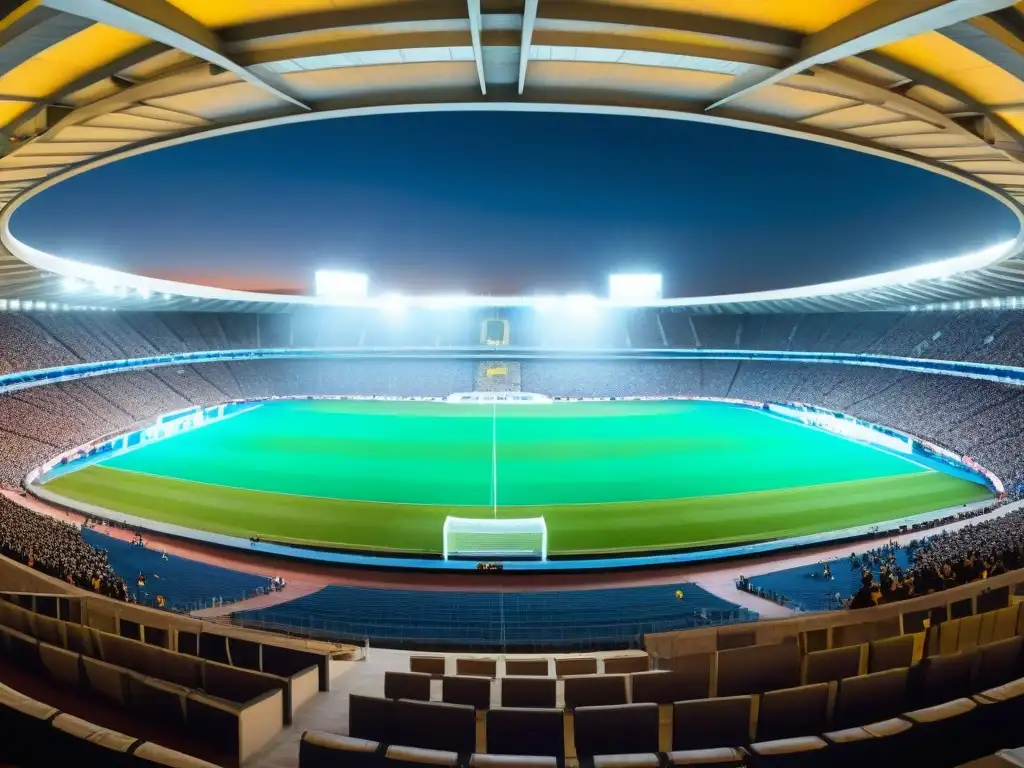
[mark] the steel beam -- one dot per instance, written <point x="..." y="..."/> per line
<point x="880" y="23"/>
<point x="164" y="23"/>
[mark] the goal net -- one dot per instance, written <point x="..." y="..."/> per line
<point x="480" y="538"/>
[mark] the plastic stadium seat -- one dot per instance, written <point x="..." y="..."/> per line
<point x="326" y="750"/>
<point x="721" y="757"/>
<point x="515" y="731"/>
<point x="436" y="725"/>
<point x="943" y="678"/>
<point x="527" y="667"/>
<point x="512" y="761"/>
<point x="944" y="734"/>
<point x="647" y="760"/>
<point x="476" y="667"/>
<point x="575" y="666"/>
<point x="474" y="691"/>
<point x="372" y="718"/>
<point x="407" y="685"/>
<point x="430" y="665"/>
<point x="890" y="653"/>
<point x="621" y="730"/>
<point x="594" y="691"/>
<point x="800" y="752"/>
<point x="413" y="757"/>
<point x="758" y="668"/>
<point x="625" y="665"/>
<point x="528" y="691"/>
<point x="999" y="662"/>
<point x="793" y="712"/>
<point x="667" y="687"/>
<point x="870" y="698"/>
<point x="708" y="723"/>
<point x="832" y="664"/>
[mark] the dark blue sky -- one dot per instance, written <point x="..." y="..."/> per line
<point x="510" y="202"/>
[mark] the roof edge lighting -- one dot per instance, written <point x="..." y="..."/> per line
<point x="81" y="277"/>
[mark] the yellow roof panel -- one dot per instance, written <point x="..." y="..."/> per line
<point x="66" y="61"/>
<point x="937" y="55"/>
<point x="9" y="110"/>
<point x="805" y="16"/>
<point x="227" y="13"/>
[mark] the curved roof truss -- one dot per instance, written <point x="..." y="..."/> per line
<point x="935" y="83"/>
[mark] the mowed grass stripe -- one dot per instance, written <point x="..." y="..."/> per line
<point x="573" y="529"/>
<point x="440" y="453"/>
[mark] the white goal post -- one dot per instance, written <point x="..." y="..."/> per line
<point x="483" y="537"/>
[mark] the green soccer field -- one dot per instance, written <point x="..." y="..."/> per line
<point x="607" y="477"/>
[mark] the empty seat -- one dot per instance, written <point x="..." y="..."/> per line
<point x="575" y="666"/>
<point x="427" y="665"/>
<point x="890" y="653"/>
<point x="944" y="678"/>
<point x="511" y="761"/>
<point x="617" y="730"/>
<point x="720" y="757"/>
<point x="528" y="691"/>
<point x="595" y="691"/>
<point x="639" y="760"/>
<point x="758" y="668"/>
<point x="476" y="667"/>
<point x="474" y="691"/>
<point x="407" y="685"/>
<point x="436" y="726"/>
<point x="667" y="687"/>
<point x="832" y="664"/>
<point x="372" y="718"/>
<point x="879" y="743"/>
<point x="998" y="662"/>
<point x="326" y="750"/>
<point x="870" y="698"/>
<point x="527" y="667"/>
<point x="798" y="752"/>
<point x="943" y="734"/>
<point x="707" y="723"/>
<point x="625" y="665"/>
<point x="396" y="757"/>
<point x="793" y="712"/>
<point x="515" y="731"/>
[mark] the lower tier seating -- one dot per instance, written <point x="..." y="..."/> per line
<point x="569" y="620"/>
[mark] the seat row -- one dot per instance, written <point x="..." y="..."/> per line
<point x="697" y="723"/>
<point x="946" y="734"/>
<point x="234" y="709"/>
<point x="532" y="667"/>
<point x="47" y="736"/>
<point x="985" y="665"/>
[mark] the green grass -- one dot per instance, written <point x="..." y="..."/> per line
<point x="606" y="476"/>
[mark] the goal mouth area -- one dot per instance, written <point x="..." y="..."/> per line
<point x="483" y="539"/>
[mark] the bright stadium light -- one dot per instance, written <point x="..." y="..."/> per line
<point x="581" y="303"/>
<point x="393" y="303"/>
<point x="341" y="286"/>
<point x="630" y="288"/>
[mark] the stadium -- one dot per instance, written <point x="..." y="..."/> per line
<point x="624" y="528"/>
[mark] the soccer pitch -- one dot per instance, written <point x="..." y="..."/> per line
<point x="607" y="477"/>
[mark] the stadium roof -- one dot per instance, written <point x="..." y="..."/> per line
<point x="935" y="83"/>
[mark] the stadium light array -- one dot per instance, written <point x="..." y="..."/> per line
<point x="634" y="288"/>
<point x="393" y="303"/>
<point x="336" y="285"/>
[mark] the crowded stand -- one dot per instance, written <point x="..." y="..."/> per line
<point x="57" y="549"/>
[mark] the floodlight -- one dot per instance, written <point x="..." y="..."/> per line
<point x="144" y="292"/>
<point x="341" y="286"/>
<point x="634" y="288"/>
<point x="393" y="303"/>
<point x="545" y="303"/>
<point x="72" y="284"/>
<point x="580" y="303"/>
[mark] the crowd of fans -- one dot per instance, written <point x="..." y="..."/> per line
<point x="56" y="548"/>
<point x="947" y="559"/>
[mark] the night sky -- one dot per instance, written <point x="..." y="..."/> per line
<point x="510" y="202"/>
